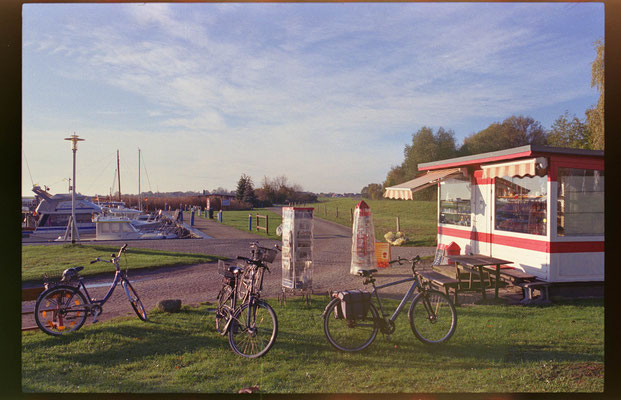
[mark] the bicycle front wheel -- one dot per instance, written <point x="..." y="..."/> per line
<point x="60" y="309"/>
<point x="134" y="300"/>
<point x="225" y="305"/>
<point x="252" y="334"/>
<point x="349" y="335"/>
<point x="432" y="317"/>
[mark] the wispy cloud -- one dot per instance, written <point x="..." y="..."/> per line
<point x="314" y="81"/>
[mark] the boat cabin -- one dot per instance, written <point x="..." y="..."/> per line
<point x="538" y="206"/>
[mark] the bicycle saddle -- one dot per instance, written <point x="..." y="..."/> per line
<point x="234" y="269"/>
<point x="71" y="273"/>
<point x="366" y="272"/>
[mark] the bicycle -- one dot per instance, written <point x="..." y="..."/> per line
<point x="249" y="321"/>
<point x="63" y="307"/>
<point x="432" y="315"/>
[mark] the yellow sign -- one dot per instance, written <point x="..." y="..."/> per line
<point x="382" y="254"/>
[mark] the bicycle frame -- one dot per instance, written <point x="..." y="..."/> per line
<point x="118" y="276"/>
<point x="407" y="297"/>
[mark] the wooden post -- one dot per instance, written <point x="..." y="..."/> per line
<point x="398" y="225"/>
<point x="337" y="212"/>
<point x="325" y="210"/>
<point x="351" y="215"/>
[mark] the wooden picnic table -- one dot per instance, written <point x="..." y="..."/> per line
<point x="478" y="261"/>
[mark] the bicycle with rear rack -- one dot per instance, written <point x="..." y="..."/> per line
<point x="432" y="315"/>
<point x="249" y="321"/>
<point x="64" y="306"/>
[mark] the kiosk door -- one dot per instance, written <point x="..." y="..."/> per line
<point x="481" y="221"/>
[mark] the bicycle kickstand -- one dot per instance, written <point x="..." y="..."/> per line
<point x="95" y="316"/>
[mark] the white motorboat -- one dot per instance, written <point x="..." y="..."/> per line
<point x="53" y="213"/>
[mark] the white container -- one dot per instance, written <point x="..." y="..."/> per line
<point x="363" y="240"/>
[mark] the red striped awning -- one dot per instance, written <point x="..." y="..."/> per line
<point x="530" y="167"/>
<point x="404" y="190"/>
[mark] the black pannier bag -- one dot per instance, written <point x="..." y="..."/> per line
<point x="354" y="304"/>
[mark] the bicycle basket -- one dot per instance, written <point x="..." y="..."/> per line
<point x="266" y="255"/>
<point x="224" y="269"/>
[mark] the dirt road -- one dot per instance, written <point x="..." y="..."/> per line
<point x="200" y="283"/>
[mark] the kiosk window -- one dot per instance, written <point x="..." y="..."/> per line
<point x="455" y="201"/>
<point x="580" y="204"/>
<point x="521" y="204"/>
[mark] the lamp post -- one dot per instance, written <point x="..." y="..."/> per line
<point x="74" y="229"/>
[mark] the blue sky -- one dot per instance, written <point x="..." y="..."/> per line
<point x="326" y="94"/>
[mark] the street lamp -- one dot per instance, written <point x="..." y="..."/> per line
<point x="72" y="225"/>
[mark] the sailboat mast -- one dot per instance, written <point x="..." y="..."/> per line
<point x="139" y="192"/>
<point x="118" y="168"/>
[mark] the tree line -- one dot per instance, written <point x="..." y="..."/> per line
<point x="272" y="191"/>
<point x="567" y="131"/>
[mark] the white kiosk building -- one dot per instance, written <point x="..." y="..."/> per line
<point x="541" y="207"/>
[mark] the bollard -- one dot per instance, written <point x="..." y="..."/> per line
<point x="181" y="214"/>
<point x="192" y="218"/>
<point x="220" y="216"/>
<point x="250" y="222"/>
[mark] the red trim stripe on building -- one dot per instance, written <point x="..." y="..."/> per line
<point x="527" y="244"/>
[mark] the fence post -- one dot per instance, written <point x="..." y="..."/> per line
<point x="325" y="210"/>
<point x="250" y="222"/>
<point x="398" y="225"/>
<point x="220" y="216"/>
<point x="337" y="212"/>
<point x="192" y="218"/>
<point x="351" y="215"/>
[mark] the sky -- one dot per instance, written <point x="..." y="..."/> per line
<point x="327" y="95"/>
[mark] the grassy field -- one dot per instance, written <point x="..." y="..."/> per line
<point x="239" y="220"/>
<point x="37" y="260"/>
<point x="417" y="218"/>
<point x="496" y="348"/>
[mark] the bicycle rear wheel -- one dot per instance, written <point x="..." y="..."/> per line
<point x="134" y="300"/>
<point x="225" y="307"/>
<point x="432" y="317"/>
<point x="60" y="309"/>
<point x="349" y="335"/>
<point x="253" y="335"/>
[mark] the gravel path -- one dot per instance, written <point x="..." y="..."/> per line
<point x="200" y="283"/>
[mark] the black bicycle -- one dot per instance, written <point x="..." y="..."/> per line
<point x="432" y="315"/>
<point x="249" y="321"/>
<point x="63" y="307"/>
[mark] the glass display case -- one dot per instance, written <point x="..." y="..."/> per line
<point x="521" y="204"/>
<point x="580" y="202"/>
<point x="455" y="202"/>
<point x="297" y="248"/>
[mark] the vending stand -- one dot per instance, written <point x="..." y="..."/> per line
<point x="541" y="207"/>
<point x="297" y="251"/>
<point x="363" y="240"/>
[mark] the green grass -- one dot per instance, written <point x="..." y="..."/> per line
<point x="239" y="220"/>
<point x="417" y="218"/>
<point x="496" y="348"/>
<point x="52" y="260"/>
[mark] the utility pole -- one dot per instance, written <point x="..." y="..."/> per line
<point x="75" y="235"/>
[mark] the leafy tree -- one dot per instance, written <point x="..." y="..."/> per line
<point x="569" y="131"/>
<point x="595" y="115"/>
<point x="514" y="131"/>
<point x="372" y="191"/>
<point x="426" y="146"/>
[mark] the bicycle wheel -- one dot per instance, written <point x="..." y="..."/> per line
<point x="134" y="300"/>
<point x="432" y="317"/>
<point x="253" y="335"/>
<point x="225" y="306"/>
<point x="349" y="335"/>
<point x="60" y="309"/>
